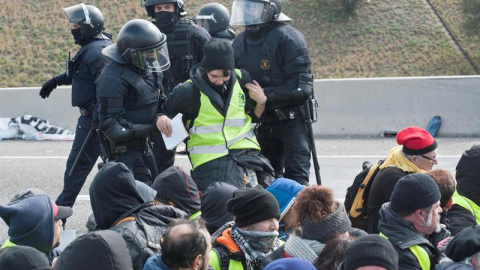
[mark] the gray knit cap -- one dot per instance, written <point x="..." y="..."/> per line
<point x="335" y="223"/>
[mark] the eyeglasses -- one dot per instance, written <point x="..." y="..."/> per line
<point x="429" y="158"/>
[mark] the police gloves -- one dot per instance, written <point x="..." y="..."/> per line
<point x="48" y="87"/>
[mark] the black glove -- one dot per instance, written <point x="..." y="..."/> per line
<point x="48" y="87"/>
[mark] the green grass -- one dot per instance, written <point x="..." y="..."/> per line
<point x="383" y="38"/>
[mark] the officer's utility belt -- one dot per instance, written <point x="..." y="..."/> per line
<point x="138" y="144"/>
<point x="280" y="115"/>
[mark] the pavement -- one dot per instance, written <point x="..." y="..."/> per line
<point x="41" y="164"/>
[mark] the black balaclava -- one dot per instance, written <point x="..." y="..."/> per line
<point x="77" y="35"/>
<point x="220" y="89"/>
<point x="165" y="20"/>
<point x="258" y="30"/>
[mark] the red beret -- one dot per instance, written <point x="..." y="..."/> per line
<point x="416" y="141"/>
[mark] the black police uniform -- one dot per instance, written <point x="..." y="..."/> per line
<point x="129" y="96"/>
<point x="275" y="59"/>
<point x="87" y="65"/>
<point x="185" y="42"/>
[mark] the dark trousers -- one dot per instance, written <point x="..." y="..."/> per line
<point x="74" y="183"/>
<point x="164" y="157"/>
<point x="286" y="145"/>
<point x="140" y="162"/>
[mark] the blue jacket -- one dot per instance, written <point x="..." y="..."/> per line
<point x="155" y="263"/>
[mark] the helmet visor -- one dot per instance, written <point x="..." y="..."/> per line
<point x="154" y="59"/>
<point x="77" y="13"/>
<point x="245" y="12"/>
<point x="206" y="21"/>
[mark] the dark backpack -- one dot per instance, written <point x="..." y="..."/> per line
<point x="357" y="195"/>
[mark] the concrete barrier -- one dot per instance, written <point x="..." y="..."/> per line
<point x="347" y="107"/>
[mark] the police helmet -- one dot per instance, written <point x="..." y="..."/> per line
<point x="214" y="17"/>
<point x="253" y="12"/>
<point x="88" y="17"/>
<point x="149" y="6"/>
<point x="141" y="43"/>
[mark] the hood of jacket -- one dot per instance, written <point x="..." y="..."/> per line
<point x="214" y="205"/>
<point x="30" y="221"/>
<point x="113" y="193"/>
<point x="159" y="215"/>
<point x="468" y="174"/>
<point x="178" y="186"/>
<point x="96" y="251"/>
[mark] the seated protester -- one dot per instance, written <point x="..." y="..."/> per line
<point x="98" y="250"/>
<point x="253" y="235"/>
<point x="320" y="217"/>
<point x="186" y="245"/>
<point x="465" y="210"/>
<point x="218" y="105"/>
<point x="289" y="264"/>
<point x="464" y="250"/>
<point x="370" y="252"/>
<point x="214" y="205"/>
<point x="117" y="205"/>
<point x="333" y="254"/>
<point x="285" y="191"/>
<point x="411" y="222"/>
<point x="446" y="186"/>
<point x="34" y="220"/>
<point x="415" y="153"/>
<point x="23" y="258"/>
<point x="146" y="192"/>
<point x="176" y="188"/>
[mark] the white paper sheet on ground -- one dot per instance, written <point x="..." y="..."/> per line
<point x="179" y="133"/>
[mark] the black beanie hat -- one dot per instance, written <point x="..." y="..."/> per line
<point x="252" y="205"/>
<point x="414" y="191"/>
<point x="464" y="244"/>
<point x="371" y="250"/>
<point x="217" y="54"/>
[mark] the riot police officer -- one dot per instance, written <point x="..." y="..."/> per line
<point x="276" y="55"/>
<point x="128" y="94"/>
<point x="185" y="42"/>
<point x="87" y="26"/>
<point x="215" y="18"/>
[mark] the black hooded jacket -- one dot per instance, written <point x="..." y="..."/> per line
<point x="30" y="222"/>
<point x="117" y="205"/>
<point x="96" y="251"/>
<point x="176" y="185"/>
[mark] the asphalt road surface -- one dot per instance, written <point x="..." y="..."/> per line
<point x="25" y="164"/>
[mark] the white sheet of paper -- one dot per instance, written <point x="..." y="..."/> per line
<point x="179" y="133"/>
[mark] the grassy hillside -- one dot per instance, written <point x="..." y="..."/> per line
<point x="385" y="38"/>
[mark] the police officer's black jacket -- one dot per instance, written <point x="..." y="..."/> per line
<point x="129" y="104"/>
<point x="274" y="60"/>
<point x="87" y="65"/>
<point x="185" y="49"/>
